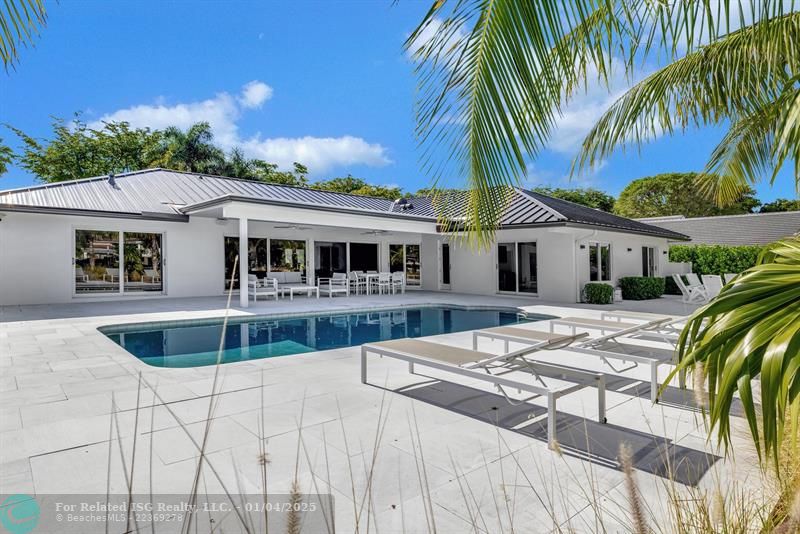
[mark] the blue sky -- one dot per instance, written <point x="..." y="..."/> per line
<point x="322" y="82"/>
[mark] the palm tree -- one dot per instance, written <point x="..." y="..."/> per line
<point x="20" y="21"/>
<point x="495" y="75"/>
<point x="193" y="150"/>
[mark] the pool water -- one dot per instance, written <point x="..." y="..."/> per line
<point x="196" y="343"/>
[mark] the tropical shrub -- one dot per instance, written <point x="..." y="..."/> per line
<point x="641" y="287"/>
<point x="716" y="259"/>
<point x="598" y="293"/>
<point x="752" y="330"/>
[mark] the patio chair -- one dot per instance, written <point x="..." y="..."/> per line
<point x="255" y="288"/>
<point x="337" y="284"/>
<point x="534" y="377"/>
<point x="608" y="348"/>
<point x="80" y="276"/>
<point x="357" y="283"/>
<point x="383" y="282"/>
<point x="693" y="280"/>
<point x="398" y="282"/>
<point x="112" y="274"/>
<point x="153" y="275"/>
<point x="690" y="294"/>
<point x="713" y="285"/>
<point x="662" y="328"/>
<point x="728" y="277"/>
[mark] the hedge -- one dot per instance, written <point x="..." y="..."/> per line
<point x="641" y="287"/>
<point x="598" y="293"/>
<point x="716" y="259"/>
<point x="670" y="287"/>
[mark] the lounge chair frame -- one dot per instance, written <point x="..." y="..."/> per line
<point x="481" y="368"/>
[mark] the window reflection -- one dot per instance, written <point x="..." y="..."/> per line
<point x="143" y="265"/>
<point x="96" y="262"/>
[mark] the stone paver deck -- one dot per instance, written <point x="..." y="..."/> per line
<point x="61" y="381"/>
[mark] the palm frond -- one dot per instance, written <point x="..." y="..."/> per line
<point x="20" y="21"/>
<point x="752" y="328"/>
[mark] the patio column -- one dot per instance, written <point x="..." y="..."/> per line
<point x="243" y="263"/>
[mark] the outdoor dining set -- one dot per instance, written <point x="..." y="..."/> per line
<point x="281" y="284"/>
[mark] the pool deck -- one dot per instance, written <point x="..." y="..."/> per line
<point x="62" y="379"/>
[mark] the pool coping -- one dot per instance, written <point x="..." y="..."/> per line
<point x="111" y="329"/>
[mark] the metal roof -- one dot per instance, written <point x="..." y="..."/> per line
<point x="746" y="229"/>
<point x="167" y="194"/>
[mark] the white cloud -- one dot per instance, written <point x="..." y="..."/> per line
<point x="223" y="113"/>
<point x="254" y="94"/>
<point x="447" y="39"/>
<point x="317" y="152"/>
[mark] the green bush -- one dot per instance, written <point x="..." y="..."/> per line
<point x="641" y="287"/>
<point x="670" y="287"/>
<point x="716" y="259"/>
<point x="597" y="293"/>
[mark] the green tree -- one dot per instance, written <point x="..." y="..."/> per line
<point x="357" y="186"/>
<point x="20" y="21"/>
<point x="676" y="194"/>
<point x="494" y="77"/>
<point x="77" y="151"/>
<point x="593" y="198"/>
<point x="6" y="157"/>
<point x="193" y="150"/>
<point x="781" y="204"/>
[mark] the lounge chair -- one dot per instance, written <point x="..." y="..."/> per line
<point x="691" y="294"/>
<point x="112" y="274"/>
<point x="619" y="315"/>
<point x="608" y="348"/>
<point x="713" y="285"/>
<point x="153" y="275"/>
<point x="255" y="289"/>
<point x="337" y="284"/>
<point x="693" y="280"/>
<point x="80" y="276"/>
<point x="662" y="328"/>
<point x="479" y="366"/>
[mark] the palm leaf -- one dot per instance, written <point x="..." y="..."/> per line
<point x="20" y="21"/>
<point x="751" y="329"/>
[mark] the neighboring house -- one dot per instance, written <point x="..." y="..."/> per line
<point x="747" y="229"/>
<point x="160" y="232"/>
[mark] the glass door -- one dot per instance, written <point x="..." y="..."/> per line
<point x="444" y="266"/>
<point x="329" y="258"/>
<point x="526" y="268"/>
<point x="406" y="259"/>
<point x="649" y="261"/>
<point x="506" y="267"/>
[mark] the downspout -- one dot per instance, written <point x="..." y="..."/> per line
<point x="575" y="261"/>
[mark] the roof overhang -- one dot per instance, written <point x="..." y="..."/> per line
<point x="669" y="235"/>
<point x="146" y="215"/>
<point x="233" y="207"/>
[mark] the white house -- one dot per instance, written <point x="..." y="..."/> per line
<point x="165" y="233"/>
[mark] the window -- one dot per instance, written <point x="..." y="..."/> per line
<point x="329" y="258"/>
<point x="287" y="255"/>
<point x="406" y="258"/>
<point x="96" y="262"/>
<point x="527" y="276"/>
<point x="256" y="261"/>
<point x="363" y="256"/>
<point x="142" y="260"/>
<point x="599" y="262"/>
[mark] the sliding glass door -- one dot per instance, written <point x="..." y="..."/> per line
<point x="107" y="262"/>
<point x="648" y="261"/>
<point x="364" y="257"/>
<point x="286" y="255"/>
<point x="96" y="262"/>
<point x="517" y="270"/>
<point x="256" y="261"/>
<point x="407" y="259"/>
<point x="329" y="258"/>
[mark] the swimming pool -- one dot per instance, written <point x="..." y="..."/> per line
<point x="195" y="343"/>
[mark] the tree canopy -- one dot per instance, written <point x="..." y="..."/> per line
<point x="6" y="157"/>
<point x="780" y="204"/>
<point x="676" y="194"/>
<point x="358" y="186"/>
<point x="593" y="198"/>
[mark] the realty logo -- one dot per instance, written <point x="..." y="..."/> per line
<point x="19" y="513"/>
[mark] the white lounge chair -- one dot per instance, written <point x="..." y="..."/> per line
<point x="255" y="289"/>
<point x="661" y="328"/>
<point x="608" y="348"/>
<point x="112" y="274"/>
<point x="690" y="294"/>
<point x="713" y="285"/>
<point x="693" y="280"/>
<point x="728" y="277"/>
<point x="480" y="366"/>
<point x="337" y="284"/>
<point x="80" y="276"/>
<point x="152" y="274"/>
